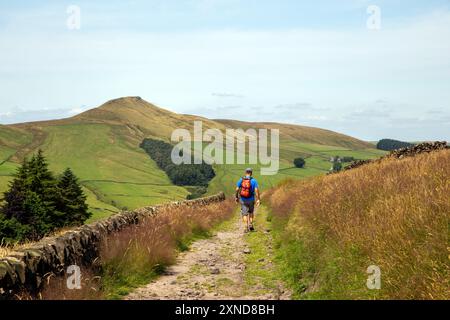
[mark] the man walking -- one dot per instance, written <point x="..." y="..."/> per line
<point x="246" y="190"/>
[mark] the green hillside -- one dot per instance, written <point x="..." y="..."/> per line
<point x="12" y="139"/>
<point x="102" y="147"/>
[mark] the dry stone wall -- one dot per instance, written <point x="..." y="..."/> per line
<point x="26" y="269"/>
<point x="425" y="147"/>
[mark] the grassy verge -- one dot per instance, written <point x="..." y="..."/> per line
<point x="315" y="268"/>
<point x="394" y="215"/>
<point x="119" y="278"/>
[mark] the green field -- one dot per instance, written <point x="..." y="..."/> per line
<point x="116" y="173"/>
<point x="13" y="137"/>
<point x="99" y="209"/>
<point x="7" y="168"/>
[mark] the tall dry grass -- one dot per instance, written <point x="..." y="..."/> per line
<point x="394" y="214"/>
<point x="55" y="287"/>
<point x="7" y="249"/>
<point x="138" y="253"/>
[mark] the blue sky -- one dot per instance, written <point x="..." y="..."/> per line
<point x="306" y="62"/>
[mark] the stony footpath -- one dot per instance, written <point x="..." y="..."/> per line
<point x="229" y="265"/>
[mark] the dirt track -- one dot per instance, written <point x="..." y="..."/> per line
<point x="214" y="268"/>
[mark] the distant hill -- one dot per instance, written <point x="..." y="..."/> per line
<point x="302" y="134"/>
<point x="101" y="145"/>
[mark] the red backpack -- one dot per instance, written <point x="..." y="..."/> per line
<point x="246" y="187"/>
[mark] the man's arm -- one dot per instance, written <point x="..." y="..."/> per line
<point x="237" y="194"/>
<point x="258" y="198"/>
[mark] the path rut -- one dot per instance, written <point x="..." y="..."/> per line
<point x="213" y="268"/>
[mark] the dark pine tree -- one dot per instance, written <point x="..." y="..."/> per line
<point x="41" y="179"/>
<point x="36" y="203"/>
<point x="72" y="201"/>
<point x="24" y="213"/>
<point x="43" y="183"/>
<point x="15" y="196"/>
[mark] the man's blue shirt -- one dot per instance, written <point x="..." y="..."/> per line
<point x="253" y="186"/>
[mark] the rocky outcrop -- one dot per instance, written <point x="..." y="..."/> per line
<point x="25" y="269"/>
<point x="425" y="147"/>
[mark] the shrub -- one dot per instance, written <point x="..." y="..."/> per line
<point x="299" y="162"/>
<point x="337" y="166"/>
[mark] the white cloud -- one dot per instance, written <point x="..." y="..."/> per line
<point x="6" y="114"/>
<point x="227" y="95"/>
<point x="18" y="115"/>
<point x="75" y="111"/>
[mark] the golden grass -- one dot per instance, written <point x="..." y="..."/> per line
<point x="155" y="239"/>
<point x="4" y="251"/>
<point x="8" y="249"/>
<point x="394" y="214"/>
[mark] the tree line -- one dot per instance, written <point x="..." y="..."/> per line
<point x="38" y="203"/>
<point x="180" y="175"/>
<point x="390" y="144"/>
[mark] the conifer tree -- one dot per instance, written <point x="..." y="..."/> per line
<point x="24" y="214"/>
<point x="37" y="203"/>
<point x="15" y="196"/>
<point x="41" y="180"/>
<point x="72" y="199"/>
<point x="43" y="183"/>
